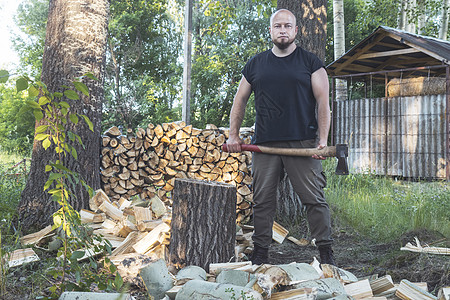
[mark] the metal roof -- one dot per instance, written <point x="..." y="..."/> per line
<point x="388" y="49"/>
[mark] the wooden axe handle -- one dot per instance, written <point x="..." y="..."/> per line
<point x="325" y="152"/>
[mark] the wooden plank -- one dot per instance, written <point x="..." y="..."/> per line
<point x="302" y="242"/>
<point x="112" y="211"/>
<point x="410" y="291"/>
<point x="35" y="238"/>
<point x="127" y="243"/>
<point x="444" y="293"/>
<point x="381" y="284"/>
<point x="359" y="290"/>
<point x="21" y="256"/>
<point x="215" y="268"/>
<point x="389" y="53"/>
<point x="150" y="239"/>
<point x="426" y="249"/>
<point x="279" y="233"/>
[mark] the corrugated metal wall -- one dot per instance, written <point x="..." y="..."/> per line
<point x="397" y="136"/>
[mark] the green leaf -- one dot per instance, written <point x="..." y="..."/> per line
<point x="73" y="118"/>
<point x="72" y="95"/>
<point x="58" y="94"/>
<point x="41" y="136"/>
<point x="33" y="91"/>
<point x="77" y="276"/>
<point x="38" y="114"/>
<point x="118" y="281"/>
<point x="48" y="168"/>
<point x="64" y="111"/>
<point x="88" y="122"/>
<point x="33" y="104"/>
<point x="4" y="76"/>
<point x="54" y="176"/>
<point x="21" y="84"/>
<point x="74" y="153"/>
<point x="64" y="104"/>
<point x="43" y="100"/>
<point x="91" y="76"/>
<point x="112" y="268"/>
<point x="41" y="128"/>
<point x="77" y="254"/>
<point x="81" y="87"/>
<point x="46" y="143"/>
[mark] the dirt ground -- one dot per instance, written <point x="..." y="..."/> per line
<point x="363" y="257"/>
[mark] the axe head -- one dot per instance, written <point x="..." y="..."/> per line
<point x="342" y="154"/>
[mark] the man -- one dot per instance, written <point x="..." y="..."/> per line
<point x="290" y="84"/>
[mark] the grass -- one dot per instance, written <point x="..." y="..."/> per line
<point x="383" y="208"/>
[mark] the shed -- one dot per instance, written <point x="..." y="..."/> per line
<point x="391" y="100"/>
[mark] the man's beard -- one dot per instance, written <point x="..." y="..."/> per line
<point x="283" y="45"/>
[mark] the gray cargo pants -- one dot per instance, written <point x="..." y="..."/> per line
<point x="308" y="180"/>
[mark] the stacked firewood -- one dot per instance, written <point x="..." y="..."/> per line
<point x="146" y="163"/>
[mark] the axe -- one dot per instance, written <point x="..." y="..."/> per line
<point x="340" y="151"/>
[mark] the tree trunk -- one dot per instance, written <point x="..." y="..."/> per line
<point x="402" y="15"/>
<point x="75" y="44"/>
<point x="339" y="44"/>
<point x="312" y="23"/>
<point x="203" y="223"/>
<point x="186" y="107"/>
<point x="312" y="33"/>
<point x="411" y="24"/>
<point x="444" y="24"/>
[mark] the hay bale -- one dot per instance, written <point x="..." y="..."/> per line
<point x="416" y="86"/>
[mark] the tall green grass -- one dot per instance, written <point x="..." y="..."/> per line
<point x="12" y="182"/>
<point x="384" y="208"/>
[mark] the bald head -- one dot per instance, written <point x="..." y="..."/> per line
<point x="285" y="12"/>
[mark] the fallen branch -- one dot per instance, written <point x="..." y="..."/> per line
<point x="426" y="249"/>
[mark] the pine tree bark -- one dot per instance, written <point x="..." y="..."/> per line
<point x="312" y="23"/>
<point x="203" y="223"/>
<point x="75" y="44"/>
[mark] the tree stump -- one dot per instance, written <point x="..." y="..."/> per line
<point x="203" y="223"/>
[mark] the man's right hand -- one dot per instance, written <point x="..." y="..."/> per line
<point x="234" y="144"/>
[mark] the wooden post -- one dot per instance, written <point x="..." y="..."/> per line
<point x="203" y="223"/>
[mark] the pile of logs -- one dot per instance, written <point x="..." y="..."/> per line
<point x="146" y="163"/>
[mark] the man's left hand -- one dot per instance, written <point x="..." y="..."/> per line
<point x="320" y="146"/>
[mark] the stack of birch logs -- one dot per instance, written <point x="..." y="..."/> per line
<point x="145" y="163"/>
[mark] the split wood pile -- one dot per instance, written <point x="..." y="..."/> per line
<point x="288" y="281"/>
<point x="139" y="232"/>
<point x="146" y="163"/>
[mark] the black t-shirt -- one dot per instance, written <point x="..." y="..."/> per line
<point x="284" y="100"/>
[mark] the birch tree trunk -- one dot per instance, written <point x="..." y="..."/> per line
<point x="444" y="25"/>
<point x="339" y="44"/>
<point x="410" y="21"/>
<point x="402" y="15"/>
<point x="422" y="18"/>
<point x="75" y="44"/>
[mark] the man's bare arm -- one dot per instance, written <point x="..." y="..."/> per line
<point x="237" y="114"/>
<point x="320" y="86"/>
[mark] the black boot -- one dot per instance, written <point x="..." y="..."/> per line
<point x="260" y="255"/>
<point x="326" y="255"/>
